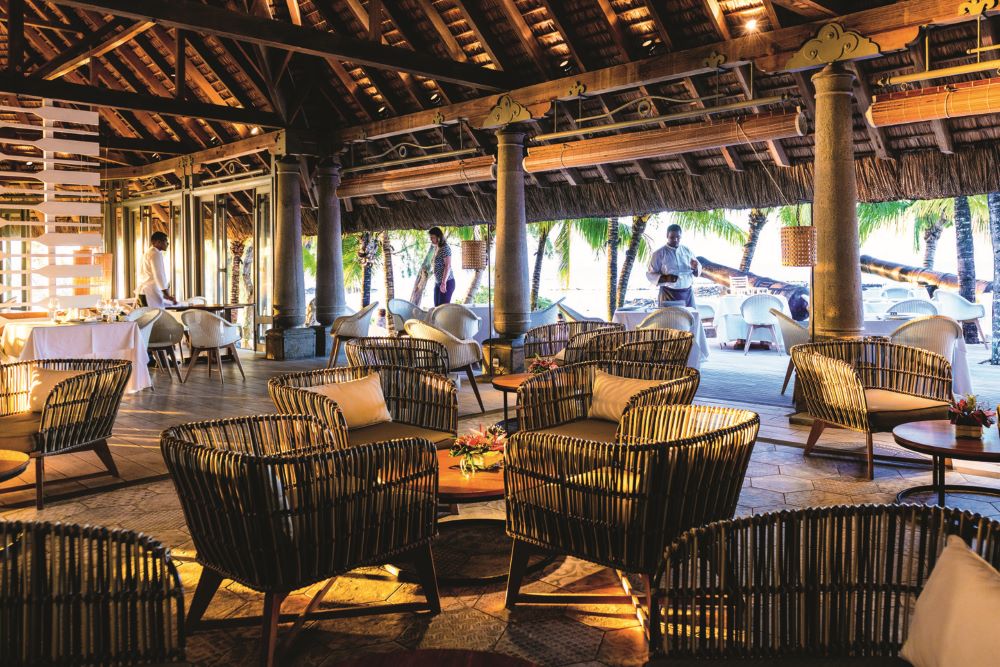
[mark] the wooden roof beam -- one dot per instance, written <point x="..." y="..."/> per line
<point x="877" y="136"/>
<point x="107" y="38"/>
<point x="477" y="22"/>
<point x="811" y="9"/>
<point x="942" y="135"/>
<point x="206" y="19"/>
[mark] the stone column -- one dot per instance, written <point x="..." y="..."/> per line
<point x="836" y="293"/>
<point x="511" y="302"/>
<point x="330" y="295"/>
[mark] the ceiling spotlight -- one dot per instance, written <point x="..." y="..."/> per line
<point x="566" y="65"/>
<point x="156" y="156"/>
<point x="751" y="25"/>
<point x="30" y="163"/>
<point x="648" y="43"/>
<point x="255" y="130"/>
<point x="381" y="110"/>
<point x="435" y="97"/>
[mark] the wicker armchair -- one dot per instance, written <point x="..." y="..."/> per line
<point x="551" y="340"/>
<point x="834" y="583"/>
<point x="401" y="310"/>
<point x="463" y="354"/>
<point x="389" y="351"/>
<point x="86" y="595"/>
<point x="347" y="327"/>
<point x="457" y="319"/>
<point x="670" y="317"/>
<point x="78" y="415"/>
<point x="558" y="401"/>
<point x="211" y="334"/>
<point x="957" y="307"/>
<point x="870" y="385"/>
<point x="934" y="333"/>
<point x="655" y="346"/>
<point x="620" y="504"/>
<point x="422" y="404"/>
<point x="274" y="504"/>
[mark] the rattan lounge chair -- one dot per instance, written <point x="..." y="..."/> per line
<point x="422" y="404"/>
<point x="406" y="351"/>
<point x="78" y="414"/>
<point x="274" y="504"/>
<point x="654" y="346"/>
<point x="620" y="504"/>
<point x="558" y="401"/>
<point x="463" y="354"/>
<point x="347" y="327"/>
<point x="87" y="595"/>
<point x="551" y="340"/>
<point x="826" y="586"/>
<point x="870" y="385"/>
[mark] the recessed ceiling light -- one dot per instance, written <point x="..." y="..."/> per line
<point x="382" y="109"/>
<point x="435" y="97"/>
<point x="564" y="64"/>
<point x="156" y="156"/>
<point x="255" y="130"/>
<point x="648" y="43"/>
<point x="751" y="25"/>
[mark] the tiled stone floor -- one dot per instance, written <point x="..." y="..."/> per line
<point x="472" y="616"/>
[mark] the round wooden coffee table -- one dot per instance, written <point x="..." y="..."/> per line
<point x="509" y="384"/>
<point x="937" y="439"/>
<point x="12" y="464"/>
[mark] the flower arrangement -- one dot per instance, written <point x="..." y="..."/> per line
<point x="539" y="365"/>
<point x="474" y="446"/>
<point x="969" y="417"/>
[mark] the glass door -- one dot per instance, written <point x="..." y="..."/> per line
<point x="262" y="257"/>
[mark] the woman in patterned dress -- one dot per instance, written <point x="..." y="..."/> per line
<point x="444" y="279"/>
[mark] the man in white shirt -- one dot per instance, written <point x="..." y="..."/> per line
<point x="673" y="269"/>
<point x="154" y="282"/>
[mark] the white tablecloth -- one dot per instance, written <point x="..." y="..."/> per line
<point x="630" y="319"/>
<point x="730" y="325"/>
<point x="961" y="377"/>
<point x="99" y="340"/>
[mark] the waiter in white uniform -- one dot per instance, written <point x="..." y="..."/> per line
<point x="154" y="283"/>
<point x="673" y="269"/>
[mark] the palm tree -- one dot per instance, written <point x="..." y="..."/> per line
<point x="993" y="202"/>
<point x="390" y="286"/>
<point x="638" y="248"/>
<point x="366" y="256"/>
<point x="711" y="222"/>
<point x="542" y="231"/>
<point x="966" y="260"/>
<point x="236" y="247"/>
<point x="423" y="275"/>
<point x="612" y="266"/>
<point x="758" y="218"/>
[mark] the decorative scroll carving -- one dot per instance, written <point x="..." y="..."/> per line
<point x="977" y="7"/>
<point x="832" y="43"/>
<point x="439" y="118"/>
<point x="715" y="60"/>
<point x="507" y="110"/>
<point x="576" y="90"/>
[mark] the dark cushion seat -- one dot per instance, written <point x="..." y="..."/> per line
<point x="395" y="431"/>
<point x="804" y="661"/>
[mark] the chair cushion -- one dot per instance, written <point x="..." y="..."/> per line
<point x="559" y="357"/>
<point x="888" y="409"/>
<point x="598" y="430"/>
<point x="954" y="621"/>
<point x="43" y="381"/>
<point x="612" y="394"/>
<point x="16" y="431"/>
<point x="396" y="430"/>
<point x="361" y="401"/>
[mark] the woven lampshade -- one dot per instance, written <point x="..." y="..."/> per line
<point x="474" y="254"/>
<point x="798" y="246"/>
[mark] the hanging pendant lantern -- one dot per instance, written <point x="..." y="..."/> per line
<point x="798" y="246"/>
<point x="474" y="254"/>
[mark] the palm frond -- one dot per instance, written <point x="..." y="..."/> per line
<point x="881" y="215"/>
<point x="712" y="222"/>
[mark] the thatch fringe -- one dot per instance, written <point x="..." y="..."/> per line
<point x="916" y="175"/>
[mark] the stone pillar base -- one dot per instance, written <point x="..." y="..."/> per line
<point x="507" y="352"/>
<point x="294" y="343"/>
<point x="323" y="341"/>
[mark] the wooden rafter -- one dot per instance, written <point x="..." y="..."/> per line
<point x="477" y="23"/>
<point x="942" y="135"/>
<point x="810" y="9"/>
<point x="107" y="38"/>
<point x="877" y="136"/>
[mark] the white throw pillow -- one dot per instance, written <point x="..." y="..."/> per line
<point x="612" y="394"/>
<point x="42" y="382"/>
<point x="956" y="615"/>
<point x="361" y="401"/>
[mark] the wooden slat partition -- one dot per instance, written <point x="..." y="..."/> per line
<point x="955" y="100"/>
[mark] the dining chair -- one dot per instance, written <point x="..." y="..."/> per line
<point x="456" y="319"/>
<point x="960" y="309"/>
<point x="707" y="314"/>
<point x="210" y="334"/>
<point x="462" y="354"/>
<point x="792" y="334"/>
<point x="55" y="406"/>
<point x="671" y="317"/>
<point x="145" y="320"/>
<point x="756" y="312"/>
<point x="935" y="333"/>
<point x="547" y="315"/>
<point x="347" y="327"/>
<point x="78" y="595"/>
<point x="913" y="307"/>
<point x="167" y="333"/>
<point x="402" y="310"/>
<point x="275" y="505"/>
<point x="739" y="285"/>
<point x="895" y="293"/>
<point x="570" y="315"/>
<point x="197" y="301"/>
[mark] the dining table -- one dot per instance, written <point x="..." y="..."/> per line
<point x="26" y="341"/>
<point x="225" y="310"/>
<point x="632" y="318"/>
<point x="730" y="325"/>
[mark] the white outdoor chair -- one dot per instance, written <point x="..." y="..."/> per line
<point x="756" y="312"/>
<point x="548" y="315"/>
<point x="895" y="293"/>
<point x="934" y="333"/>
<point x="136" y="313"/>
<point x="463" y="354"/>
<point x="456" y="319"/>
<point x="347" y="327"/>
<point x="197" y="301"/>
<point x="144" y="318"/>
<point x="167" y="333"/>
<point x="913" y="307"/>
<point x="707" y="315"/>
<point x="960" y="309"/>
<point x="210" y="333"/>
<point x="671" y="317"/>
<point x="739" y="285"/>
<point x="570" y="315"/>
<point x="792" y="334"/>
<point x="402" y="310"/>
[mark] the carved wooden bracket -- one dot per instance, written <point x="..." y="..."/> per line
<point x="832" y="43"/>
<point x="507" y="110"/>
<point x="977" y="7"/>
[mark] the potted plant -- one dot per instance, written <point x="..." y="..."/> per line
<point x="969" y="417"/>
<point x="539" y="365"/>
<point x="480" y="449"/>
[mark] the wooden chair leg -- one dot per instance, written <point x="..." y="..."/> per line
<point x="871" y="455"/>
<point x="104" y="453"/>
<point x="218" y="364"/>
<point x="746" y="348"/>
<point x="519" y="555"/>
<point x="40" y="483"/>
<point x="208" y="357"/>
<point x="236" y="358"/>
<point x="982" y="336"/>
<point x="269" y="630"/>
<point x="475" y="387"/>
<point x="788" y="376"/>
<point x="817" y="430"/>
<point x="172" y="360"/>
<point x="208" y="583"/>
<point x="774" y="337"/>
<point x="334" y="351"/>
<point x="191" y="362"/>
<point x="424" y="562"/>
